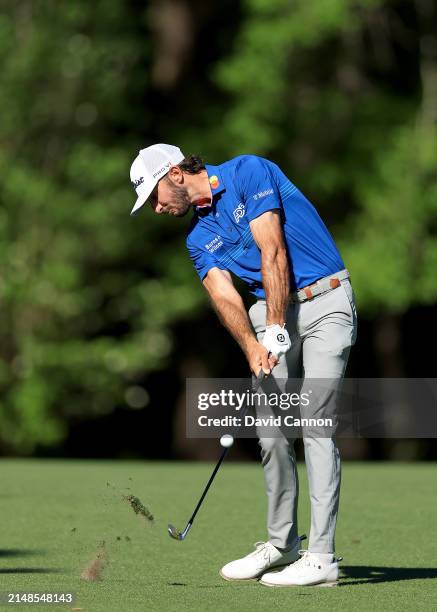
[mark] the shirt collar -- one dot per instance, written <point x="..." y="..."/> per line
<point x="215" y="180"/>
<point x="217" y="187"/>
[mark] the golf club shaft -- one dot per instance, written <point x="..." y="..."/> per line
<point x="259" y="380"/>
<point x="209" y="483"/>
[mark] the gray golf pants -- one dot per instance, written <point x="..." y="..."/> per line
<point x="322" y="330"/>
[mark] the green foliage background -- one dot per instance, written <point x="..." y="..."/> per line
<point x="342" y="94"/>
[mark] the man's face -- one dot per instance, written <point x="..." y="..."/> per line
<point x="170" y="199"/>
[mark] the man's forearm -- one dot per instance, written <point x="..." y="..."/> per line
<point x="233" y="316"/>
<point x="230" y="308"/>
<point x="276" y="283"/>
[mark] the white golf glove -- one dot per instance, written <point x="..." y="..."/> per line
<point x="276" y="340"/>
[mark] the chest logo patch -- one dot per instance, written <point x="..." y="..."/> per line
<point x="239" y="212"/>
<point x="215" y="244"/>
<point x="214" y="182"/>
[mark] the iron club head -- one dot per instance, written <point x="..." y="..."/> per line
<point x="176" y="534"/>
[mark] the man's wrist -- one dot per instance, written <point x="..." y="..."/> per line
<point x="248" y="343"/>
<point x="275" y="321"/>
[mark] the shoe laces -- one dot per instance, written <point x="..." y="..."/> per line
<point x="307" y="560"/>
<point x="261" y="548"/>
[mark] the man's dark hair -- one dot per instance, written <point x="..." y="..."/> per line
<point x="193" y="164"/>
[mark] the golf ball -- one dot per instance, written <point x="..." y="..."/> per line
<point x="226" y="441"/>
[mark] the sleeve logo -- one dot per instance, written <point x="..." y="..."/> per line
<point x="262" y="194"/>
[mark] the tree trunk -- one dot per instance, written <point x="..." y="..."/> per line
<point x="388" y="347"/>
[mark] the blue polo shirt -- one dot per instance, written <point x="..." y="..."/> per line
<point x="244" y="188"/>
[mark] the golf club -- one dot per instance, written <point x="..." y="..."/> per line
<point x="181" y="535"/>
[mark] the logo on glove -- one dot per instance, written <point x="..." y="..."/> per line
<point x="276" y="339"/>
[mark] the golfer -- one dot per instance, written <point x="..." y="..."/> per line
<point x="251" y="221"/>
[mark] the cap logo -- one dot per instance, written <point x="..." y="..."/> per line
<point x="137" y="182"/>
<point x="161" y="170"/>
<point x="214" y="182"/>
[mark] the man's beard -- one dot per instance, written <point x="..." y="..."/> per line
<point x="181" y="203"/>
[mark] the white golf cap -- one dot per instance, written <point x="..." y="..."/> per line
<point x="150" y="165"/>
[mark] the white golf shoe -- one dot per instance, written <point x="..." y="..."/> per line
<point x="307" y="571"/>
<point x="264" y="557"/>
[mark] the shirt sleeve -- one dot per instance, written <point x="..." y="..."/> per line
<point x="257" y="189"/>
<point x="202" y="260"/>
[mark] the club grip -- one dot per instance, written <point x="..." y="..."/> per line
<point x="259" y="378"/>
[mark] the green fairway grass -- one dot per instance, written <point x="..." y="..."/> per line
<point x="54" y="514"/>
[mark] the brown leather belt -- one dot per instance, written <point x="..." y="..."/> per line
<point x="322" y="285"/>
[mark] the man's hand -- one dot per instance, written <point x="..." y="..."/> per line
<point x="258" y="357"/>
<point x="276" y="340"/>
